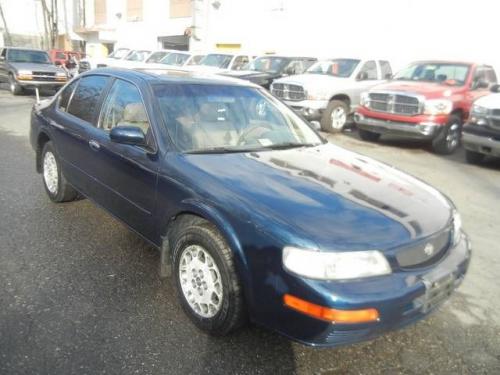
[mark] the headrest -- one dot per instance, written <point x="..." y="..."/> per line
<point x="134" y="112"/>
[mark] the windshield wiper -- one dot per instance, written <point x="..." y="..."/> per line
<point x="286" y="145"/>
<point x="218" y="150"/>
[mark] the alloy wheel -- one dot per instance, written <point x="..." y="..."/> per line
<point x="339" y="118"/>
<point x="50" y="173"/>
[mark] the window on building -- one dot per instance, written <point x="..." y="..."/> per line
<point x="85" y="101"/>
<point x="100" y="12"/>
<point x="370" y="68"/>
<point x="134" y="10"/>
<point x="180" y="8"/>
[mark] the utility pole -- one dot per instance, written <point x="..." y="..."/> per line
<point x="7" y="33"/>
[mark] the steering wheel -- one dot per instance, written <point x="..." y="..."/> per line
<point x="243" y="136"/>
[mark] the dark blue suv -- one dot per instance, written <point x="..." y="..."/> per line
<point x="255" y="215"/>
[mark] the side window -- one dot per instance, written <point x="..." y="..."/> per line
<point x="385" y="69"/>
<point x="124" y="107"/>
<point x="239" y="62"/>
<point x="3" y="53"/>
<point x="490" y="75"/>
<point x="65" y="96"/>
<point x="369" y="71"/>
<point x="85" y="100"/>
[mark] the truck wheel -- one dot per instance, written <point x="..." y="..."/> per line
<point x="56" y="186"/>
<point x="449" y="140"/>
<point x="335" y="116"/>
<point x="15" y="88"/>
<point x="205" y="276"/>
<point x="473" y="157"/>
<point x="369" y="136"/>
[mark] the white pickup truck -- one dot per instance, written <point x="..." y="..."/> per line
<point x="329" y="91"/>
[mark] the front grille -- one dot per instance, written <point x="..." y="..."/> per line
<point x="44" y="76"/>
<point x="494" y="118"/>
<point x="416" y="255"/>
<point x="394" y="103"/>
<point x="289" y="92"/>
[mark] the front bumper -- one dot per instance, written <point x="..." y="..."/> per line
<point x="401" y="298"/>
<point x="310" y="109"/>
<point x="33" y="83"/>
<point x="481" y="144"/>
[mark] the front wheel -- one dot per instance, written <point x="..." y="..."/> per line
<point x="207" y="283"/>
<point x="335" y="116"/>
<point x="449" y="140"/>
<point x="15" y="88"/>
<point x="56" y="186"/>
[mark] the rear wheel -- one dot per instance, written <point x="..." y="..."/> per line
<point x="449" y="140"/>
<point x="335" y="117"/>
<point x="56" y="186"/>
<point x="474" y="157"/>
<point x="15" y="88"/>
<point x="369" y="136"/>
<point x="207" y="283"/>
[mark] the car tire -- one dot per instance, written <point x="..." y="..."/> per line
<point x="335" y="117"/>
<point x="368" y="136"/>
<point x="473" y="157"/>
<point x="206" y="280"/>
<point x="449" y="138"/>
<point x="56" y="186"/>
<point x="15" y="88"/>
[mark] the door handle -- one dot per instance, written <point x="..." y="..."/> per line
<point x="94" y="145"/>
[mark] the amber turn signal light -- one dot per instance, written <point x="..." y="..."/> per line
<point x="331" y="315"/>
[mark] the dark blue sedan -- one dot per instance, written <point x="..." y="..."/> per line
<point x="256" y="216"/>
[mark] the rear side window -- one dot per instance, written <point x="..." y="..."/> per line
<point x="385" y="69"/>
<point x="370" y="68"/>
<point x="65" y="96"/>
<point x="85" y="100"/>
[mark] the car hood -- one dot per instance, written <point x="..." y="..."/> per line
<point x="491" y="101"/>
<point x="337" y="199"/>
<point x="427" y="89"/>
<point x="37" y="67"/>
<point x="315" y="81"/>
<point x="251" y="74"/>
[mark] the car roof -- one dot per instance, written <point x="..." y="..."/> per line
<point x="171" y="76"/>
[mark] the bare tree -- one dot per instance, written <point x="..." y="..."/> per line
<point x="50" y="18"/>
<point x="7" y="33"/>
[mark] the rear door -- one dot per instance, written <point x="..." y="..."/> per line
<point x="73" y="123"/>
<point x="481" y="74"/>
<point x="125" y="175"/>
<point x="367" y="76"/>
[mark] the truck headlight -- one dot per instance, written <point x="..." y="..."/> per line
<point x="61" y="76"/>
<point x="24" y="74"/>
<point x="457" y="227"/>
<point x="318" y="95"/>
<point x="478" y="115"/>
<point x="438" y="107"/>
<point x="364" y="99"/>
<point x="320" y="265"/>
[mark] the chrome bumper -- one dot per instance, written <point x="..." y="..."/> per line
<point x="41" y="83"/>
<point x="423" y="130"/>
<point x="310" y="109"/>
<point x="483" y="145"/>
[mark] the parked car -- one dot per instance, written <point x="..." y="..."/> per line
<point x="174" y="60"/>
<point x="60" y="57"/>
<point x="481" y="135"/>
<point x="218" y="62"/>
<point x="329" y="90"/>
<point x="89" y="63"/>
<point x="24" y="67"/>
<point x="428" y="100"/>
<point x="134" y="59"/>
<point x="255" y="215"/>
<point x="265" y="69"/>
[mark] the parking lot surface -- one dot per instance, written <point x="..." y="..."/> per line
<point x="81" y="293"/>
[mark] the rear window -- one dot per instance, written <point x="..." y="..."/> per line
<point x="85" y="101"/>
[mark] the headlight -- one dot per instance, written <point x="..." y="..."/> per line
<point x="478" y="115"/>
<point x="24" y="74"/>
<point x="364" y="99"/>
<point x="319" y="95"/>
<point x="438" y="107"/>
<point x="61" y="76"/>
<point x="335" y="265"/>
<point x="457" y="227"/>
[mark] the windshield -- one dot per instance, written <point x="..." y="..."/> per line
<point x="177" y="59"/>
<point x="28" y="56"/>
<point x="157" y="56"/>
<point x="338" y="68"/>
<point x="267" y="64"/>
<point x="217" y="60"/>
<point x="138" y="56"/>
<point x="217" y="118"/>
<point x="443" y="73"/>
<point x="120" y="53"/>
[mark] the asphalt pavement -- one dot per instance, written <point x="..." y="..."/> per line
<point x="80" y="293"/>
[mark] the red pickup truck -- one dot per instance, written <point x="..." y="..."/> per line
<point x="427" y="100"/>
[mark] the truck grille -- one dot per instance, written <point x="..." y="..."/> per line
<point x="288" y="92"/>
<point x="394" y="103"/>
<point x="416" y="255"/>
<point x="495" y="118"/>
<point x="44" y="76"/>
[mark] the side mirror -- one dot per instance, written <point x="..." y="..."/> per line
<point x="388" y="76"/>
<point x="362" y="76"/>
<point x="129" y="135"/>
<point x="495" y="88"/>
<point x="481" y="84"/>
